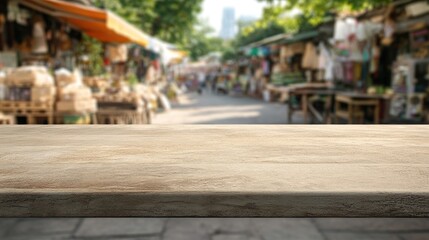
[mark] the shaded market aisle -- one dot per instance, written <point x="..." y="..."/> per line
<point x="220" y="109"/>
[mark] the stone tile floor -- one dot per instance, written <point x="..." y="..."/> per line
<point x="214" y="229"/>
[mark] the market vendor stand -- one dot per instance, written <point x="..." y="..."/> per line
<point x="54" y="40"/>
<point x="379" y="51"/>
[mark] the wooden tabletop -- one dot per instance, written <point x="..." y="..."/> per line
<point x="214" y="171"/>
<point x="357" y="95"/>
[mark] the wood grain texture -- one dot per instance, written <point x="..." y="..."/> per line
<point x="214" y="171"/>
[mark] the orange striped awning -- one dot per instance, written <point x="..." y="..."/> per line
<point x="100" y="24"/>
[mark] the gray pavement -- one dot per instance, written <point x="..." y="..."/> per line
<point x="215" y="229"/>
<point x="210" y="109"/>
<point x="219" y="109"/>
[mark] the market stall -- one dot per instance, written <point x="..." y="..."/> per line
<point x="382" y="55"/>
<point x="43" y="40"/>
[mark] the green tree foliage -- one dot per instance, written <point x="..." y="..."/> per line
<point x="170" y="20"/>
<point x="316" y="10"/>
<point x="93" y="49"/>
<point x="202" y="42"/>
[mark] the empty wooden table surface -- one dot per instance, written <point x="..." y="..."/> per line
<point x="214" y="171"/>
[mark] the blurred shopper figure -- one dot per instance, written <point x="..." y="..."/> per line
<point x="201" y="82"/>
<point x="217" y="74"/>
<point x="211" y="81"/>
<point x="252" y="82"/>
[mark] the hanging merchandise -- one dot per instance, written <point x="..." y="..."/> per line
<point x="285" y="52"/>
<point x="118" y="53"/>
<point x="254" y="52"/>
<point x="366" y="65"/>
<point x="150" y="74"/>
<point x="361" y="32"/>
<point x="264" y="51"/>
<point x="266" y="67"/>
<point x="338" y="70"/>
<point x="357" y="71"/>
<point x="12" y="11"/>
<point x="40" y="45"/>
<point x="375" y="59"/>
<point x="64" y="40"/>
<point x="366" y="30"/>
<point x="355" y="51"/>
<point x="310" y="59"/>
<point x="340" y="31"/>
<point x="401" y="81"/>
<point x="323" y="56"/>
<point x="398" y="105"/>
<point x="326" y="62"/>
<point x="348" y="71"/>
<point x="389" y="27"/>
<point x="388" y="32"/>
<point x="344" y="28"/>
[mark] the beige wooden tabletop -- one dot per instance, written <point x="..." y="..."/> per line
<point x="187" y="170"/>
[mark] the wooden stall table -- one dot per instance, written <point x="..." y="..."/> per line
<point x="329" y="96"/>
<point x="354" y="102"/>
<point x="284" y="91"/>
<point x="214" y="171"/>
<point x="305" y="94"/>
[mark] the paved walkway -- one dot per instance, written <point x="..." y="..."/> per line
<point x="210" y="109"/>
<point x="219" y="109"/>
<point x="215" y="229"/>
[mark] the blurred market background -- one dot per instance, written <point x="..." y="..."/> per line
<point x="214" y="62"/>
<point x="196" y="61"/>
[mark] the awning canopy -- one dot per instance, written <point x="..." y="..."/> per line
<point x="301" y="37"/>
<point x="97" y="23"/>
<point x="268" y="41"/>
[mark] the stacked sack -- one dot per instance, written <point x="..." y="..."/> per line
<point x="73" y="96"/>
<point x="31" y="83"/>
<point x="97" y="84"/>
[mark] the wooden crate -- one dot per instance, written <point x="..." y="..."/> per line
<point x="24" y="107"/>
<point x="33" y="111"/>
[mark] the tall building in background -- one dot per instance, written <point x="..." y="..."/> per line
<point x="228" y="23"/>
